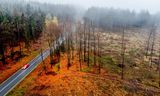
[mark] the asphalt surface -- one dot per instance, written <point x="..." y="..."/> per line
<point x="17" y="77"/>
<point x="12" y="81"/>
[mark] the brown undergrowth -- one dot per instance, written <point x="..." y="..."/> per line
<point x="73" y="82"/>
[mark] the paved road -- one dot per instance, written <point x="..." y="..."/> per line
<point x="17" y="77"/>
<point x="12" y="81"/>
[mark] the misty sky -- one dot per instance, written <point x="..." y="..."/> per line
<point x="151" y="5"/>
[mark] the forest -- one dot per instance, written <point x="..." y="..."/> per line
<point x="98" y="45"/>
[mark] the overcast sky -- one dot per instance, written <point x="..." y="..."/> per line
<point x="151" y="5"/>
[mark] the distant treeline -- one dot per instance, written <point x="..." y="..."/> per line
<point x="109" y="18"/>
<point x="61" y="11"/>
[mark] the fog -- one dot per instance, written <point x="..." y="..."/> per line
<point x="117" y="12"/>
<point x="151" y="5"/>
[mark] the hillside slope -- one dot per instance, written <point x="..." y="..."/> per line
<point x="78" y="83"/>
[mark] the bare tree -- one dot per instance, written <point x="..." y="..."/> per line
<point x="84" y="42"/>
<point x="123" y="51"/>
<point x="148" y="43"/>
<point x="68" y="29"/>
<point x="94" y="42"/>
<point x="89" y="30"/>
<point x="68" y="52"/>
<point x="153" y="30"/>
<point x="80" y="44"/>
<point x="99" y="53"/>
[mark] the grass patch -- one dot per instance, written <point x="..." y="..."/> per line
<point x="88" y="69"/>
<point x="110" y="64"/>
<point x="20" y="92"/>
<point x="21" y="89"/>
<point x="57" y="67"/>
<point x="148" y="75"/>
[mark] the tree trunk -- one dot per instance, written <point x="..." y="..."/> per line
<point x="51" y="54"/>
<point x="80" y="55"/>
<point x="20" y="49"/>
<point x="148" y="43"/>
<point x="123" y="54"/>
<point x="153" y="43"/>
<point x="69" y="54"/>
<point x="88" y="47"/>
<point x="3" y="56"/>
<point x="84" y="41"/>
<point x="94" y="48"/>
<point x="99" y="67"/>
<point x="12" y="53"/>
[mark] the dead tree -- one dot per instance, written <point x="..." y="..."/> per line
<point x="151" y="44"/>
<point x="84" y="42"/>
<point x="95" y="60"/>
<point x="153" y="31"/>
<point x="94" y="43"/>
<point x="123" y="52"/>
<point x="80" y="46"/>
<point x="68" y="53"/>
<point x="99" y="53"/>
<point x="88" y="45"/>
<point x="76" y="33"/>
<point x="72" y="47"/>
<point x="68" y="42"/>
<point x="148" y="44"/>
<point x="80" y="54"/>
